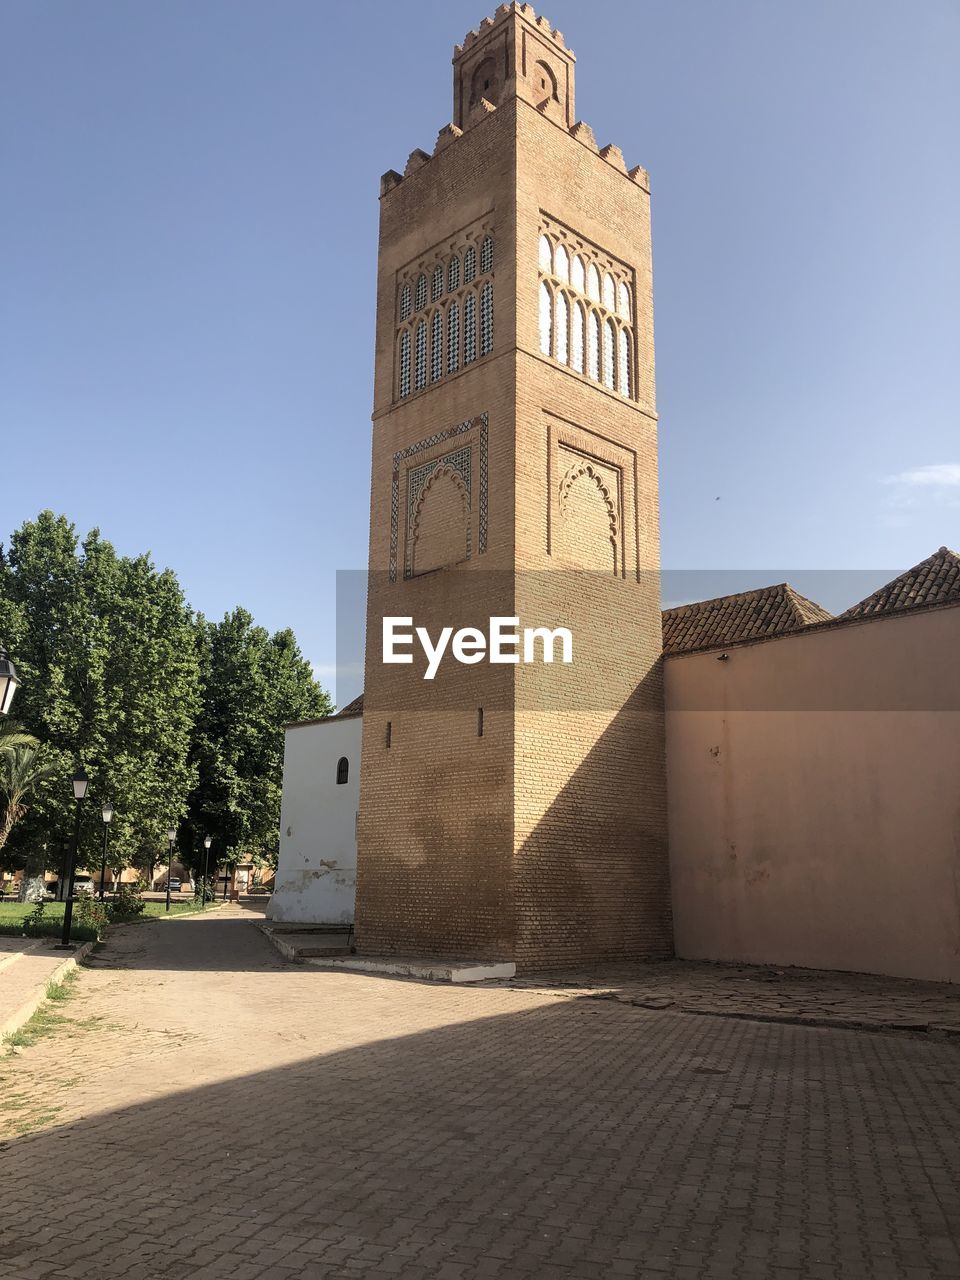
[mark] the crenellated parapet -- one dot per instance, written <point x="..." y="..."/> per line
<point x="514" y="54"/>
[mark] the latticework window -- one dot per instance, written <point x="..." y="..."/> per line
<point x="405" y="300"/>
<point x="486" y="255"/>
<point x="585" y="333"/>
<point x="579" y="320"/>
<point x="593" y="346"/>
<point x="546" y="317"/>
<point x="486" y="317"/>
<point x="453" y="275"/>
<point x="470" y="328"/>
<point x="404" y="364"/>
<point x="436" y="285"/>
<point x="560" y="340"/>
<point x="436" y="346"/>
<point x="420" y="356"/>
<point x="469" y="265"/>
<point x="609" y="353"/>
<point x="453" y="337"/>
<point x="625" y="389"/>
<point x="421" y="298"/>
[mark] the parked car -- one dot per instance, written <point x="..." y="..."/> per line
<point x="174" y="884"/>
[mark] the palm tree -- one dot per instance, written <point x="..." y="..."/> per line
<point x="14" y="735"/>
<point x="22" y="768"/>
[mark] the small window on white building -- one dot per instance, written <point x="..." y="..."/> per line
<point x="343" y="770"/>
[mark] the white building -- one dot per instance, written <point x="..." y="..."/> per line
<point x="317" y="868"/>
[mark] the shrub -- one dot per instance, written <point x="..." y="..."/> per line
<point x="90" y="912"/>
<point x="127" y="902"/>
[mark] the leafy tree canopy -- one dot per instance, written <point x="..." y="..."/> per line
<point x="176" y="719"/>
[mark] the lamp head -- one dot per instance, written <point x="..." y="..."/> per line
<point x="107" y="812"/>
<point x="80" y="784"/>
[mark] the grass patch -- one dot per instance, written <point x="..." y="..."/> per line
<point x="12" y="915"/>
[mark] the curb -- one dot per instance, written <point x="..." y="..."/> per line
<point x="29" y="1008"/>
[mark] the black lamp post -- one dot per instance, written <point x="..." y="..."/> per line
<point x="80" y="785"/>
<point x="207" y="842"/>
<point x="9" y="682"/>
<point x="172" y="837"/>
<point x="107" y="814"/>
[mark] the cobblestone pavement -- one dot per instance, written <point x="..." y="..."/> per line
<point x="813" y="997"/>
<point x="208" y="1111"/>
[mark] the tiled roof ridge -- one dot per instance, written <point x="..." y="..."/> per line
<point x="934" y="580"/>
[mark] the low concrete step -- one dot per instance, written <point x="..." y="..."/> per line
<point x="425" y="970"/>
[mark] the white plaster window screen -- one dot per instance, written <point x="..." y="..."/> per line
<point x="585" y="309"/>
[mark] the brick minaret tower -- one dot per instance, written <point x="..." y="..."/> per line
<point x="515" y="812"/>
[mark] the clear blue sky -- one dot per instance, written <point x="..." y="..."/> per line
<point x="189" y="222"/>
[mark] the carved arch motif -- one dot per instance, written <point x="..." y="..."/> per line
<point x="585" y="471"/>
<point x="443" y="471"/>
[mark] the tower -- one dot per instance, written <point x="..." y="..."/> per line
<point x="515" y="811"/>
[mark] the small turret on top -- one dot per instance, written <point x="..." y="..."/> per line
<point x="513" y="54"/>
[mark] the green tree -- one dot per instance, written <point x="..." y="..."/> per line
<point x="106" y="650"/>
<point x="252" y="685"/>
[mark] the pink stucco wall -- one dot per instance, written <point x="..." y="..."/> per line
<point x="814" y="798"/>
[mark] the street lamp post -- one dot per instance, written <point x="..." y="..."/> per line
<point x="207" y="842"/>
<point x="9" y="682"/>
<point x="80" y="785"/>
<point x="107" y="814"/>
<point x="172" y="837"/>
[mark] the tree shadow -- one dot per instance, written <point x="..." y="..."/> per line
<point x="571" y="1139"/>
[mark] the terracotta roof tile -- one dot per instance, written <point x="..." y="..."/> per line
<point x="354" y="708"/>
<point x="935" y="580"/>
<point x="748" y="615"/>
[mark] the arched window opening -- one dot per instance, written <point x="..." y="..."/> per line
<point x="623" y="300"/>
<point x="546" y="254"/>
<point x="453" y="275"/>
<point x="486" y="255"/>
<point x="405" y="299"/>
<point x="577" y="344"/>
<point x="593" y="347"/>
<point x="469" y="265"/>
<point x="420" y="356"/>
<point x="343" y="770"/>
<point x="421" y="298"/>
<point x="470" y="328"/>
<point x="486" y="319"/>
<point x="560" y="341"/>
<point x="562" y="268"/>
<point x="404" y="364"/>
<point x="453" y="337"/>
<point x="609" y="292"/>
<point x="436" y="286"/>
<point x="625" y="362"/>
<point x="436" y="346"/>
<point x="546" y="317"/>
<point x="578" y="274"/>
<point x="593" y="283"/>
<point x="609" y="353"/>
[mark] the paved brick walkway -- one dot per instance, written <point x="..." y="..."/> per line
<point x="210" y="1112"/>
<point x="811" y="997"/>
